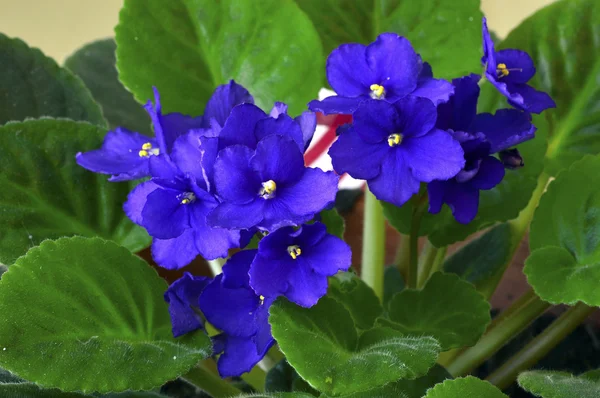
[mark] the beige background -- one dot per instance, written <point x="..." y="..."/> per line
<point x="59" y="27"/>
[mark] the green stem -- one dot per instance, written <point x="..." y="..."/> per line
<point x="505" y="375"/>
<point x="402" y="259"/>
<point x="438" y="262"/>
<point x="256" y="378"/>
<point x="415" y="225"/>
<point x="428" y="255"/>
<point x="211" y="383"/>
<point x="504" y="328"/>
<point x="216" y="265"/>
<point x="518" y="228"/>
<point x="373" y="252"/>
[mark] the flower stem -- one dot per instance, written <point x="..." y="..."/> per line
<point x="256" y="378"/>
<point x="415" y="225"/>
<point x="428" y="255"/>
<point x="504" y="328"/>
<point x="209" y="382"/>
<point x="373" y="252"/>
<point x="402" y="259"/>
<point x="505" y="375"/>
<point x="438" y="262"/>
<point x="216" y="265"/>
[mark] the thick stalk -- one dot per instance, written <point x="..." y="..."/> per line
<point x="256" y="378"/>
<point x="505" y="375"/>
<point x="503" y="329"/>
<point x="373" y="252"/>
<point x="438" y="262"/>
<point x="428" y="255"/>
<point x="211" y="383"/>
<point x="402" y="259"/>
<point x="415" y="225"/>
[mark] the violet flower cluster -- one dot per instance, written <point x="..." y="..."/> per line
<point x="214" y="181"/>
<point x="409" y="128"/>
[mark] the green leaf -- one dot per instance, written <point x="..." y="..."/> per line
<point x="482" y="258"/>
<point x="563" y="39"/>
<point x="558" y="385"/>
<point x="334" y="222"/>
<point x="187" y="47"/>
<point x="33" y="86"/>
<point x="502" y="203"/>
<point x="282" y="377"/>
<point x="565" y="237"/>
<point x="358" y="298"/>
<point x="277" y="395"/>
<point x="466" y="387"/>
<point x="438" y="29"/>
<point x="459" y="322"/>
<point x="406" y="388"/>
<point x="337" y="361"/>
<point x="392" y="283"/>
<point x="94" y="63"/>
<point x="91" y="310"/>
<point x="46" y="195"/>
<point x="30" y="390"/>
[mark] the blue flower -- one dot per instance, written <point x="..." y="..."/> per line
<point x="480" y="136"/>
<point x="509" y="71"/>
<point x="395" y="147"/>
<point x="181" y="296"/>
<point x="230" y="304"/>
<point x="268" y="187"/>
<point x="296" y="263"/>
<point x="126" y="155"/>
<point x="173" y="207"/>
<point x="387" y="69"/>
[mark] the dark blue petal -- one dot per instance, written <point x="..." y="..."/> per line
<point x="308" y="124"/>
<point x="305" y="286"/>
<point x="436" y="90"/>
<point x="278" y="158"/>
<point x="463" y="200"/>
<point x="235" y="180"/>
<point x="225" y="97"/>
<point x="436" y="191"/>
<point x="164" y="215"/>
<point x="519" y="65"/>
<point x="166" y="174"/>
<point x="505" y="129"/>
<point x="490" y="174"/>
<point x="240" y="125"/>
<point x="489" y="52"/>
<point x="175" y="253"/>
<point x="187" y="156"/>
<point x="348" y="72"/>
<point x="282" y="125"/>
<point x="136" y="200"/>
<point x="395" y="184"/>
<point x="279" y="108"/>
<point x="417" y="116"/>
<point x="181" y="296"/>
<point x="240" y="355"/>
<point x="433" y="156"/>
<point x="349" y="147"/>
<point x="426" y="72"/>
<point x="235" y="271"/>
<point x="119" y="156"/>
<point x="237" y="216"/>
<point x="328" y="256"/>
<point x="376" y="120"/>
<point x="337" y="104"/>
<point x="458" y="113"/>
<point x="395" y="65"/>
<point x="529" y="99"/>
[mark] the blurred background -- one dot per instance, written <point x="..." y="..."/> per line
<point x="59" y="27"/>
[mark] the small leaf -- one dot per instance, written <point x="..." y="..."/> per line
<point x="94" y="63"/>
<point x="334" y="222"/>
<point x="358" y="298"/>
<point x="336" y="361"/>
<point x="46" y="195"/>
<point x="33" y="86"/>
<point x="91" y="310"/>
<point x="187" y="47"/>
<point x="482" y="258"/>
<point x="459" y="322"/>
<point x="467" y="387"/>
<point x="565" y="237"/>
<point x="558" y="385"/>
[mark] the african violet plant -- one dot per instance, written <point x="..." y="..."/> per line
<point x="449" y="139"/>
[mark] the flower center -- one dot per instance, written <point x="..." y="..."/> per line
<point x="394" y="139"/>
<point x="502" y="70"/>
<point x="262" y="299"/>
<point x="294" y="251"/>
<point x="147" y="150"/>
<point x="188" y="198"/>
<point x="377" y="91"/>
<point x="268" y="189"/>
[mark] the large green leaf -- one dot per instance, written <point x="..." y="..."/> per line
<point x="283" y="378"/>
<point x="91" y="318"/>
<point x="565" y="237"/>
<point x="564" y="40"/>
<point x="459" y="322"/>
<point x="358" y="298"/>
<point x="30" y="390"/>
<point x="33" y="85"/>
<point x="437" y="28"/>
<point x="94" y="63"/>
<point x="336" y="361"/>
<point x="467" y="387"/>
<point x="187" y="47"/>
<point x="558" y="385"/>
<point x="46" y="195"/>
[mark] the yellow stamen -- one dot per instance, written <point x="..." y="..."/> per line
<point x="188" y="198"/>
<point x="394" y="139"/>
<point x="377" y="91"/>
<point x="262" y="299"/>
<point x="143" y="153"/>
<point x="268" y="189"/>
<point x="147" y="150"/>
<point x="502" y="70"/>
<point x="294" y="251"/>
<point x="147" y="146"/>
